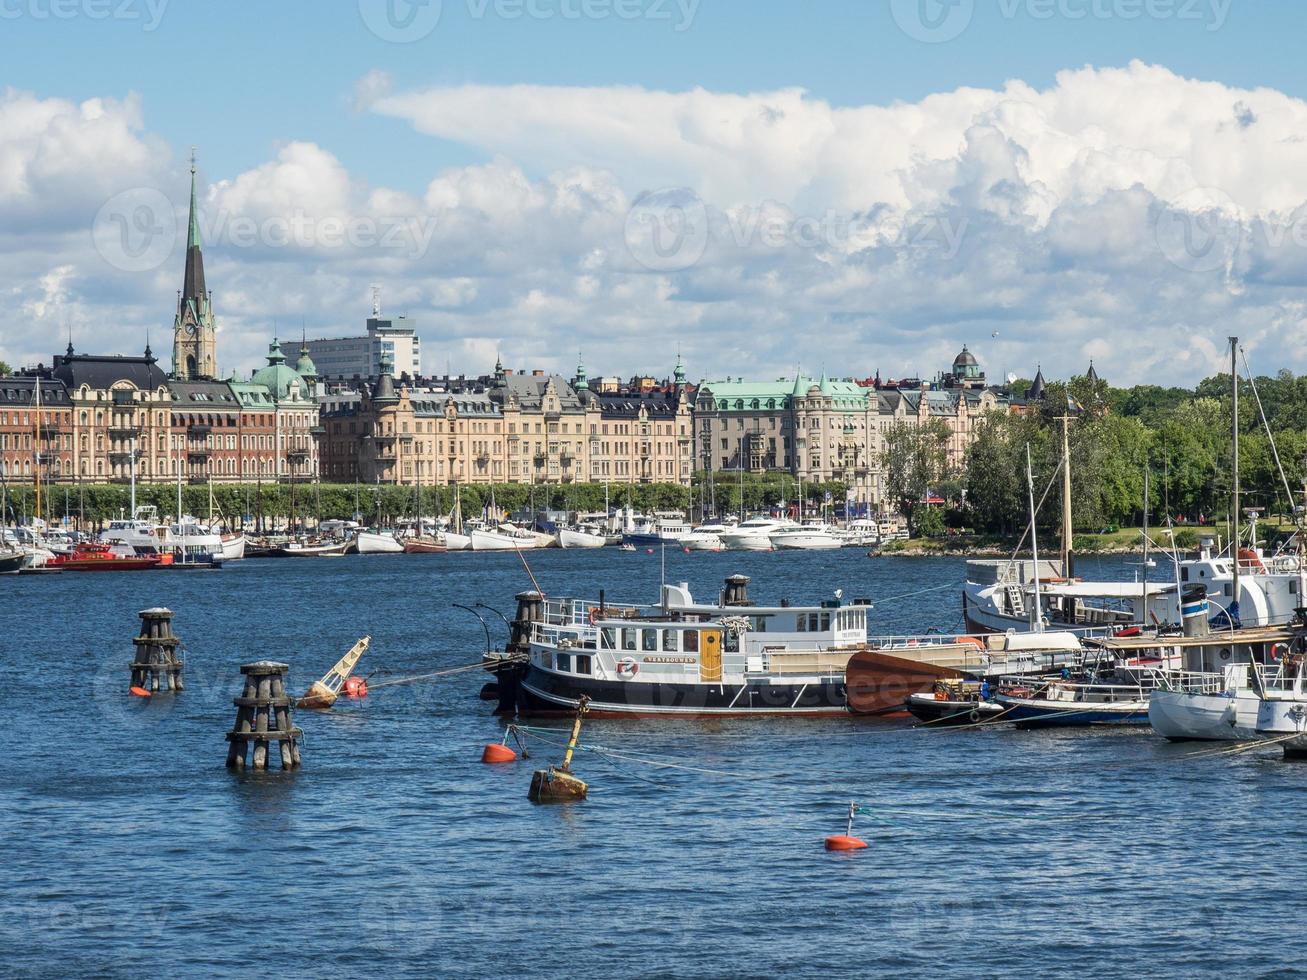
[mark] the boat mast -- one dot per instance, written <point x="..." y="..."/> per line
<point x="1233" y="612"/>
<point x="1036" y="611"/>
<point x="132" y="444"/>
<point x="1144" y="618"/>
<point x="1066" y="496"/>
<point x="36" y="446"/>
<point x="181" y="530"/>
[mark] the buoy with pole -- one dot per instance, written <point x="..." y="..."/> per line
<point x="846" y="841"/>
<point x="322" y="694"/>
<point x="557" y="784"/>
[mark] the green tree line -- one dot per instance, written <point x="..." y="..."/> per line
<point x="1181" y="437"/>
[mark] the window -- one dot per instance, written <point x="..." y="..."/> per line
<point x="691" y="641"/>
<point x="813" y="620"/>
<point x="628" y="638"/>
<point x="670" y="640"/>
<point x="825" y="622"/>
<point x="801" y="623"/>
<point x="649" y="642"/>
<point x="731" y="642"/>
<point x="582" y="663"/>
<point x="565" y="661"/>
<point x="608" y="638"/>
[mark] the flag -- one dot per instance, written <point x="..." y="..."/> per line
<point x="1071" y="404"/>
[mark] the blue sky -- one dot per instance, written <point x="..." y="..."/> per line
<point x="1026" y="182"/>
<point x="239" y="77"/>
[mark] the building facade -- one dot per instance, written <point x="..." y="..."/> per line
<point x="510" y="427"/>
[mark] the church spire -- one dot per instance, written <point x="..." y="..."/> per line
<point x="193" y="286"/>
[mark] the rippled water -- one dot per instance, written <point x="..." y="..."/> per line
<point x="130" y="849"/>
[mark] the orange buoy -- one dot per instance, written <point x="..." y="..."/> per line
<point x="495" y="753"/>
<point x="140" y="692"/>
<point x="356" y="687"/>
<point x="842" y="842"/>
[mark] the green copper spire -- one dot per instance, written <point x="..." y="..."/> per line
<point x="679" y="375"/>
<point x="581" y="383"/>
<point x="193" y="232"/>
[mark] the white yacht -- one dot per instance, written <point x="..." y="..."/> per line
<point x="862" y="532"/>
<point x="196" y="541"/>
<point x="705" y="537"/>
<point x="755" y="533"/>
<point x="657" y="530"/>
<point x="806" y="537"/>
<point x="143" y="533"/>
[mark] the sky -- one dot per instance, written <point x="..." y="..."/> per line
<point x="759" y="187"/>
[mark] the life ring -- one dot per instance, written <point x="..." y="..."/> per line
<point x="627" y="666"/>
<point x="594" y="614"/>
<point x="1279" y="650"/>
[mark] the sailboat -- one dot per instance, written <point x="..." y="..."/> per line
<point x="421" y="543"/>
<point x="456" y="540"/>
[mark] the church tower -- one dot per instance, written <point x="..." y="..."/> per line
<point x="194" y="341"/>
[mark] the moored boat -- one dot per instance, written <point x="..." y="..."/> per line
<point x="378" y="543"/>
<point x="311" y="549"/>
<point x="581" y="537"/>
<point x="949" y="705"/>
<point x="90" y="557"/>
<point x="233" y="547"/>
<point x="504" y="538"/>
<point x="680" y="657"/>
<point x="424" y="545"/>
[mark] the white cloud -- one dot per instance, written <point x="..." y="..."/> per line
<point x="1129" y="215"/>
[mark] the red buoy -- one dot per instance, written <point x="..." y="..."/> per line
<point x="495" y="753"/>
<point x="140" y="692"/>
<point x="842" y="842"/>
<point x="648" y="551"/>
<point x="356" y="687"/>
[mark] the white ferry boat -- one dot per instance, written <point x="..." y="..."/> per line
<point x="682" y="657"/>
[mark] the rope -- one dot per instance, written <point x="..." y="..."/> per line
<point x="422" y="677"/>
<point x="909" y="595"/>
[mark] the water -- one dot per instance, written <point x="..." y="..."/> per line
<point x="130" y="849"/>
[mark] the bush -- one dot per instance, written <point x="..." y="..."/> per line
<point x="1186" y="538"/>
<point x="929" y="523"/>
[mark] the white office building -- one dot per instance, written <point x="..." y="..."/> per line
<point x="360" y="357"/>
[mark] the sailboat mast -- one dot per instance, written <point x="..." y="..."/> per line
<point x="36" y="447"/>
<point x="181" y="530"/>
<point x="1144" y="618"/>
<point x="1234" y="485"/>
<point x="1036" y="611"/>
<point x="1066" y="496"/>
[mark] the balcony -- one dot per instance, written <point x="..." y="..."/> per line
<point x="298" y="457"/>
<point x="124" y="398"/>
<point x="124" y="432"/>
<point x="200" y="454"/>
<point x="199" y="430"/>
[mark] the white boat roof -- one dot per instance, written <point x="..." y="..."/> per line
<point x="1101" y="590"/>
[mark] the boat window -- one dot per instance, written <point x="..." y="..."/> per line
<point x="760" y="624"/>
<point x="670" y="640"/>
<point x="813" y="621"/>
<point x="565" y="661"/>
<point x="628" y="638"/>
<point x="582" y="664"/>
<point x="547" y="659"/>
<point x="691" y="641"/>
<point x="825" y="622"/>
<point x="1184" y="574"/>
<point x="650" y="641"/>
<point x="731" y="642"/>
<point x="609" y="637"/>
<point x="801" y="623"/>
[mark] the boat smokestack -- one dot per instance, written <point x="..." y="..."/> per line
<point x="530" y="609"/>
<point x="1193" y="610"/>
<point x="736" y="592"/>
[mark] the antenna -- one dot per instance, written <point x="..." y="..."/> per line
<point x="192" y="158"/>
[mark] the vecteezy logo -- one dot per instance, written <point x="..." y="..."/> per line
<point x="1199" y="231"/>
<point x="667" y="230"/>
<point x="932" y="21"/>
<point x="400" y="21"/>
<point x="135" y="230"/>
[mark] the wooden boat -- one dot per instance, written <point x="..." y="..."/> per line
<point x="312" y="549"/>
<point x="424" y="546"/>
<point x="1066" y="702"/>
<point x="105" y="558"/>
<point x="12" y="561"/>
<point x="949" y="705"/>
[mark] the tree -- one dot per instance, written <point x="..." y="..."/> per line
<point x="5" y="369"/>
<point x="915" y="460"/>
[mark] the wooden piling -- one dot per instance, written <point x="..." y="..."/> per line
<point x="156" y="666"/>
<point x="263" y="716"/>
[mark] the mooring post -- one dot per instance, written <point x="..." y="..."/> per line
<point x="263" y="715"/>
<point x="156" y="666"/>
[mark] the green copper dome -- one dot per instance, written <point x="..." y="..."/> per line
<point x="278" y="378"/>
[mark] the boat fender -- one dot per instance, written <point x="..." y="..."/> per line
<point x="974" y="716"/>
<point x="140" y="692"/>
<point x="356" y="687"/>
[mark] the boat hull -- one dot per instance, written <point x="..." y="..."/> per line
<point x="1281" y="719"/>
<point x="1181" y="716"/>
<point x="457" y="542"/>
<point x="312" y="551"/>
<point x="233" y="547"/>
<point x="748" y="542"/>
<point x="568" y="538"/>
<point x="424" y="546"/>
<point x="1049" y="713"/>
<point x="494" y="541"/>
<point x="12" y="562"/>
<point x="947" y="714"/>
<point x="548" y="694"/>
<point x="805" y="542"/>
<point x="878" y="683"/>
<point x="372" y="543"/>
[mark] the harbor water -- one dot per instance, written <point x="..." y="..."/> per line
<point x="131" y="850"/>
